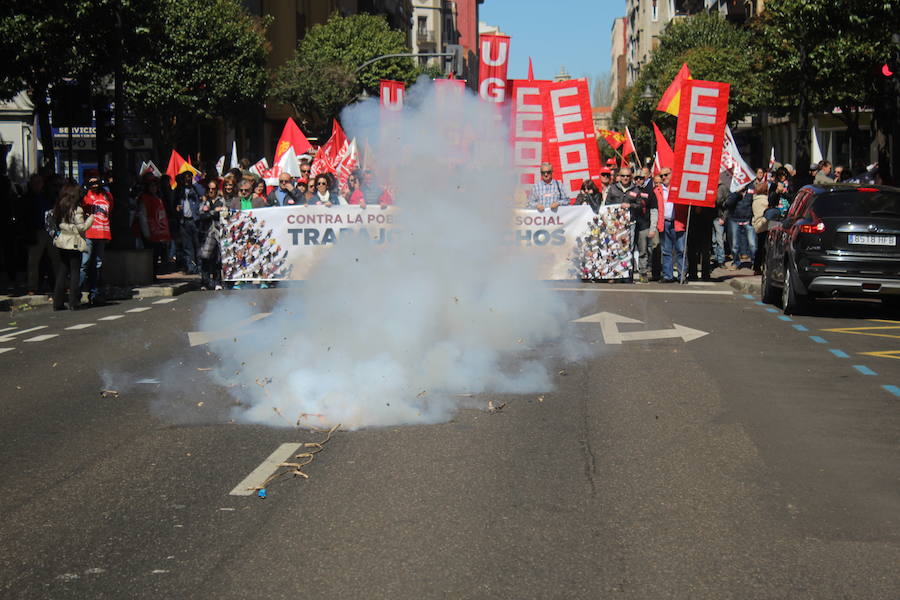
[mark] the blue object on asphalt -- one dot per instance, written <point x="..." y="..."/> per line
<point x="892" y="389"/>
<point x="864" y="370"/>
<point x="839" y="353"/>
<point x="261" y="493"/>
<point x="818" y="340"/>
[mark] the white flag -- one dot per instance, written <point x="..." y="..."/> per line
<point x="154" y="169"/>
<point x="816" y="150"/>
<point x="234" y="158"/>
<point x="260" y="166"/>
<point x="288" y="162"/>
<point x="143" y="167"/>
<point x="733" y="163"/>
<point x="220" y="165"/>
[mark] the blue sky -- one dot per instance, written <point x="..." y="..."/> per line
<point x="570" y="33"/>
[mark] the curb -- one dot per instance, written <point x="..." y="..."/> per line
<point x="747" y="285"/>
<point x="42" y="301"/>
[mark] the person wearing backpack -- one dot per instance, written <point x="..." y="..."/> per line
<point x="70" y="244"/>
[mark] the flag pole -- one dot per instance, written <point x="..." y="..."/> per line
<point x="682" y="274"/>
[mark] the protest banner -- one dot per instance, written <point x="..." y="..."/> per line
<point x="494" y="59"/>
<point x="570" y="143"/>
<point x="527" y="128"/>
<point x="698" y="142"/>
<point x="286" y="243"/>
<point x="733" y="163"/>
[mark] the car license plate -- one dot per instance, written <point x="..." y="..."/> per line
<point x="873" y="240"/>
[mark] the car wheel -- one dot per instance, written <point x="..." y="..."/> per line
<point x="769" y="294"/>
<point x="792" y="302"/>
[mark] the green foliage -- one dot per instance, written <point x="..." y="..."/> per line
<point x="197" y="59"/>
<point x="714" y="50"/>
<point x="321" y="78"/>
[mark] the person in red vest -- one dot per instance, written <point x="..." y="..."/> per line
<point x="154" y="221"/>
<point x="97" y="202"/>
<point x="671" y="225"/>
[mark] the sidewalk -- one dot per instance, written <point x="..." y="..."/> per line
<point x="14" y="297"/>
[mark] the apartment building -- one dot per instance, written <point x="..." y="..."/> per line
<point x="618" y="59"/>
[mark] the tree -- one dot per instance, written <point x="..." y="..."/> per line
<point x="196" y="60"/>
<point x="715" y="50"/>
<point x="824" y="57"/>
<point x="321" y="78"/>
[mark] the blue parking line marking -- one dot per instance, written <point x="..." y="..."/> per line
<point x="760" y="303"/>
<point x="785" y="318"/>
<point x="748" y="296"/>
<point x="864" y="370"/>
<point x="772" y="309"/>
<point x="799" y="327"/>
<point x="892" y="389"/>
<point x="818" y="339"/>
<point x="839" y="353"/>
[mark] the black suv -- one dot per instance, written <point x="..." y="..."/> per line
<point x="838" y="240"/>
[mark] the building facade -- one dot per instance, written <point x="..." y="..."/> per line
<point x="618" y="59"/>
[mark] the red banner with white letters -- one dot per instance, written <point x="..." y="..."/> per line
<point x="570" y="143"/>
<point x="526" y="127"/>
<point x="392" y="93"/>
<point x="493" y="63"/>
<point x="702" y="117"/>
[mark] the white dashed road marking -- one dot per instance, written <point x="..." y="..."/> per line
<point x="2" y="350"/>
<point x="141" y="309"/>
<point x="80" y="326"/>
<point x="256" y="477"/>
<point x="165" y="300"/>
<point x="7" y="329"/>
<point x="41" y="338"/>
<point x="110" y="318"/>
<point x="9" y="336"/>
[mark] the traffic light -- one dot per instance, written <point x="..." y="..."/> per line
<point x="454" y="64"/>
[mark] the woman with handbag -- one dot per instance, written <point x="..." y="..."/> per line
<point x="70" y="243"/>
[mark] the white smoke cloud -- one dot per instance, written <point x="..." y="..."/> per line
<point x="395" y="333"/>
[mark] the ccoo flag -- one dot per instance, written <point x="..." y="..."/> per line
<point x="671" y="99"/>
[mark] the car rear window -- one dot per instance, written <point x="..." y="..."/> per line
<point x="852" y="203"/>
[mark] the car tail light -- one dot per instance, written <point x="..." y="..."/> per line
<point x="867" y="189"/>
<point x="816" y="226"/>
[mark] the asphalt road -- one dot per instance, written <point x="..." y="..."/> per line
<point x="758" y="461"/>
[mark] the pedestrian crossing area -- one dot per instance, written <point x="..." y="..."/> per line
<point x="12" y="335"/>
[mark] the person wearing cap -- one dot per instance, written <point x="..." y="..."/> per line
<point x="606" y="181"/>
<point x="99" y="203"/>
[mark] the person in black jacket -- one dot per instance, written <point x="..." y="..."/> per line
<point x="589" y="195"/>
<point x="285" y="194"/>
<point x="743" y="237"/>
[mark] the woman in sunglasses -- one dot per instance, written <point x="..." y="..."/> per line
<point x="322" y="193"/>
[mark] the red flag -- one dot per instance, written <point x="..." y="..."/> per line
<point x="327" y="156"/>
<point x="664" y="154"/>
<point x="291" y="137"/>
<point x="629" y="146"/>
<point x="178" y="165"/>
<point x="494" y="59"/>
<point x="530" y="70"/>
<point x="672" y="96"/>
<point x="391" y="94"/>
<point x="698" y="142"/>
<point x="569" y="139"/>
<point x="613" y="138"/>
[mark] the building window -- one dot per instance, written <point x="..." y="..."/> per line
<point x="423" y="27"/>
<point x="654" y="11"/>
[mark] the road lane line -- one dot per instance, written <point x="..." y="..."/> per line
<point x="110" y="318"/>
<point x="80" y="326"/>
<point x="864" y="370"/>
<point x="892" y="389"/>
<point x="9" y="336"/>
<point x="839" y="353"/>
<point x="7" y="329"/>
<point x="645" y="291"/>
<point x="799" y="327"/>
<point x="42" y="338"/>
<point x="141" y="309"/>
<point x="785" y="318"/>
<point x="165" y="300"/>
<point x="818" y="340"/>
<point x="2" y="350"/>
<point x="255" y="479"/>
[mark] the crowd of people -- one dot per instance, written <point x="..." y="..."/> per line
<point x="675" y="242"/>
<point x="59" y="221"/>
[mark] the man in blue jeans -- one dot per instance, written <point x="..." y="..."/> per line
<point x="671" y="225"/>
<point x="740" y="229"/>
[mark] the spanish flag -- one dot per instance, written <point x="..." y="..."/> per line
<point x="178" y="165"/>
<point x="672" y="97"/>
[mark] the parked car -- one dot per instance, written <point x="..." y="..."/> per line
<point x="836" y="240"/>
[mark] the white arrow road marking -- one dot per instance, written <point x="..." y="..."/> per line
<point x="251" y="482"/>
<point x="609" y="325"/>
<point x="9" y="336"/>
<point x="196" y="338"/>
